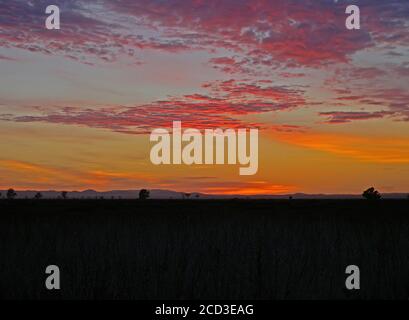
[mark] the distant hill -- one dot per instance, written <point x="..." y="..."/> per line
<point x="92" y="194"/>
<point x="169" y="194"/>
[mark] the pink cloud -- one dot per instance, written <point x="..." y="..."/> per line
<point x="267" y="33"/>
<point x="226" y="103"/>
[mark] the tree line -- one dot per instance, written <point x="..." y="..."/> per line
<point x="144" y="194"/>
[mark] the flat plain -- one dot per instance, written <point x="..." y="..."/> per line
<point x="204" y="249"/>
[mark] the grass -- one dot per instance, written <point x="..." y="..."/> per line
<point x="224" y="249"/>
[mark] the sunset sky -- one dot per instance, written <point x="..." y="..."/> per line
<point x="332" y="105"/>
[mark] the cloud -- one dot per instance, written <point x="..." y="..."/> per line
<point x="27" y="175"/>
<point x="88" y="33"/>
<point x="224" y="107"/>
<point x="395" y="99"/>
<point x="402" y="70"/>
<point x="311" y="33"/>
<point x="245" y="188"/>
<point x="367" y="149"/>
<point x="3" y="57"/>
<point x="267" y="33"/>
<point x="256" y="38"/>
<point x="345" y="117"/>
<point x="377" y="91"/>
<point x="228" y="65"/>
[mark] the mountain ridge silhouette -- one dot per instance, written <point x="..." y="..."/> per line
<point x="171" y="194"/>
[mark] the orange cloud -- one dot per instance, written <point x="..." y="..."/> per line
<point x="25" y="175"/>
<point x="25" y="167"/>
<point x="371" y="149"/>
<point x="249" y="188"/>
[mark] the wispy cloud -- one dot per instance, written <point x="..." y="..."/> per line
<point x="367" y="149"/>
<point x="344" y="117"/>
<point x="246" y="188"/>
<point x="226" y="103"/>
<point x="27" y="175"/>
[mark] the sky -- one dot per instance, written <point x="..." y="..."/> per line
<point x="332" y="105"/>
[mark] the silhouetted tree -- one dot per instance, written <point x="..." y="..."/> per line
<point x="11" y="194"/>
<point x="371" y="194"/>
<point x="143" y="194"/>
<point x="64" y="194"/>
<point x="187" y="195"/>
<point x="38" y="196"/>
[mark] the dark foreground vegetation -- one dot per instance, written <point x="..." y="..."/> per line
<point x="232" y="249"/>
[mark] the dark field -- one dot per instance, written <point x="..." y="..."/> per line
<point x="232" y="249"/>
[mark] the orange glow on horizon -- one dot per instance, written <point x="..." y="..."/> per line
<point x="250" y="188"/>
